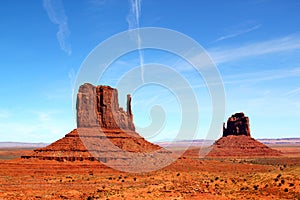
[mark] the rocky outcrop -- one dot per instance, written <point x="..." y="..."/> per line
<point x="105" y="132"/>
<point x="240" y="146"/>
<point x="237" y="141"/>
<point x="68" y="148"/>
<point x="237" y="124"/>
<point x="98" y="106"/>
<point x="93" y="144"/>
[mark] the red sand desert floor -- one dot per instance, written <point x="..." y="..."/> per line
<point x="187" y="178"/>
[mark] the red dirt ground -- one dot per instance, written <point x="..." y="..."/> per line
<point x="187" y="178"/>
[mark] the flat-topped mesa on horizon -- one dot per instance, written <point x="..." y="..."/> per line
<point x="237" y="124"/>
<point x="99" y="106"/>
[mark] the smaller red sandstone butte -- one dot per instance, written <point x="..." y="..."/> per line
<point x="237" y="141"/>
<point x="237" y="124"/>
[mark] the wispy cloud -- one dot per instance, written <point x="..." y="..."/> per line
<point x="237" y="33"/>
<point x="133" y="19"/>
<point x="256" y="77"/>
<point x="56" y="13"/>
<point x="227" y="54"/>
<point x="267" y="75"/>
<point x="293" y="92"/>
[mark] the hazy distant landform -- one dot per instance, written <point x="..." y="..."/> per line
<point x="199" y="142"/>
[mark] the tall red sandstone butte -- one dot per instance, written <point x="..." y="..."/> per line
<point x="99" y="106"/>
<point x="104" y="131"/>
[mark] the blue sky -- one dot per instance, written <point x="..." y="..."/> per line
<point x="255" y="45"/>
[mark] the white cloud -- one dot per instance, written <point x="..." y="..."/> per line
<point x="133" y="18"/>
<point x="293" y="92"/>
<point x="255" y="77"/>
<point x="237" y="33"/>
<point x="57" y="16"/>
<point x="227" y="54"/>
<point x="266" y="75"/>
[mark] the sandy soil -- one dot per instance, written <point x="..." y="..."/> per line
<point x="187" y="178"/>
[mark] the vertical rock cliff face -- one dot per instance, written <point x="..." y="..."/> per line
<point x="105" y="132"/>
<point x="99" y="106"/>
<point x="237" y="124"/>
<point x="86" y="106"/>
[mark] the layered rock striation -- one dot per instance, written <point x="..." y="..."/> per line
<point x="68" y="148"/>
<point x="237" y="141"/>
<point x="105" y="132"/>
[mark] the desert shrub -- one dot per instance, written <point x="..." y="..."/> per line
<point x="286" y="190"/>
<point x="279" y="175"/>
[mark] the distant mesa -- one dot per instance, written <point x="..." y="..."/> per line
<point x="105" y="132"/>
<point x="237" y="141"/>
